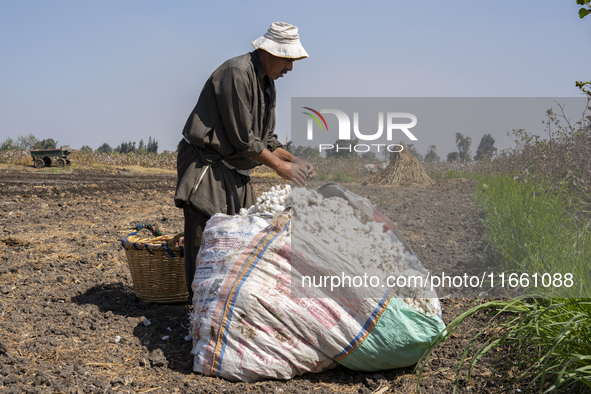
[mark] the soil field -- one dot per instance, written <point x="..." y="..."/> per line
<point x="70" y="322"/>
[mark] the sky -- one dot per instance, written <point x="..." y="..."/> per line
<point x="86" y="73"/>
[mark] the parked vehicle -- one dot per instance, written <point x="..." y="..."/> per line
<point x="43" y="157"/>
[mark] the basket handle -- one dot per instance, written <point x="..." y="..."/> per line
<point x="151" y="227"/>
<point x="174" y="239"/>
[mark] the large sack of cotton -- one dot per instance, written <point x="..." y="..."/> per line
<point x="257" y="312"/>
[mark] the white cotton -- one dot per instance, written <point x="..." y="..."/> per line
<point x="334" y="221"/>
<point x="270" y="203"/>
<point x="354" y="234"/>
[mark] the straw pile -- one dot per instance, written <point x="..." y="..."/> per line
<point x="404" y="169"/>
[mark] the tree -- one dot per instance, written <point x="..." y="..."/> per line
<point x="152" y="145"/>
<point x="86" y="148"/>
<point x="368" y="156"/>
<point x="463" y="144"/>
<point x="26" y="142"/>
<point x="431" y="155"/>
<point x="453" y="156"/>
<point x="46" y="144"/>
<point x="141" y="147"/>
<point x="8" y="145"/>
<point x="486" y="148"/>
<point x="345" y="149"/>
<point x="105" y="148"/>
<point x="126" y="147"/>
<point x="302" y="151"/>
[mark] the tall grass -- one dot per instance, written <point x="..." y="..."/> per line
<point x="538" y="222"/>
<point x="547" y="343"/>
<point x="532" y="228"/>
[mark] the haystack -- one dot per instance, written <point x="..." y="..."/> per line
<point x="404" y="169"/>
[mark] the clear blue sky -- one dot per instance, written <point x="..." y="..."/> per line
<point x="85" y="73"/>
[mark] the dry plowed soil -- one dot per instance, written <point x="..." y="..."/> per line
<point x="70" y="322"/>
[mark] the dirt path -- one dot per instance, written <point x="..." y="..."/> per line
<point x="66" y="293"/>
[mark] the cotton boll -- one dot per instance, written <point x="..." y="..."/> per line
<point x="271" y="202"/>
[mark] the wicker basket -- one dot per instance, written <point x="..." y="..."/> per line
<point x="157" y="266"/>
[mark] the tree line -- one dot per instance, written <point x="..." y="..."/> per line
<point x="30" y="142"/>
<point x="127" y="147"/>
<point x="486" y="150"/>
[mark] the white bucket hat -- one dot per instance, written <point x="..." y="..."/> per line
<point x="281" y="40"/>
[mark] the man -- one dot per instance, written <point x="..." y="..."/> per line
<point x="230" y="131"/>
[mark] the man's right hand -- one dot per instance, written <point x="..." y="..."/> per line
<point x="293" y="172"/>
<point x="285" y="169"/>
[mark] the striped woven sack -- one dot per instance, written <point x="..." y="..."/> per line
<point x="249" y="323"/>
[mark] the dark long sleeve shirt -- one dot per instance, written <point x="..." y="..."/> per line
<point x="233" y="121"/>
<point x="229" y="120"/>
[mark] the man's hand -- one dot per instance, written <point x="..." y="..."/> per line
<point x="294" y="172"/>
<point x="310" y="171"/>
<point x="286" y="156"/>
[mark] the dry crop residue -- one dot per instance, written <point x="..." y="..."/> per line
<point x="69" y="321"/>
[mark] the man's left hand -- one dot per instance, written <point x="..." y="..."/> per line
<point x="309" y="169"/>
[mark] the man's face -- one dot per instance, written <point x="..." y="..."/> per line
<point x="277" y="67"/>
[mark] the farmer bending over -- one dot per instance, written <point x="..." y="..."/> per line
<point x="231" y="131"/>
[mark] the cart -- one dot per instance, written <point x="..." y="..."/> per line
<point x="43" y="157"/>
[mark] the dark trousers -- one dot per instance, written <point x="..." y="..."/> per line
<point x="194" y="224"/>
